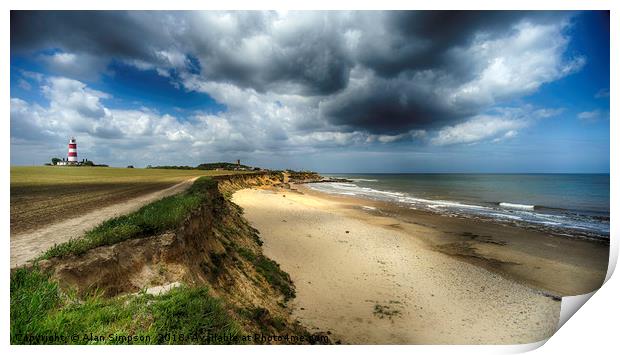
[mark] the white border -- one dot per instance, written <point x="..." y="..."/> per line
<point x="592" y="329"/>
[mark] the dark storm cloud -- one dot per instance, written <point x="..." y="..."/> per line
<point x="422" y="63"/>
<point x="310" y="57"/>
<point x="419" y="40"/>
<point x="108" y="33"/>
<point x="313" y="67"/>
<point x="378" y="72"/>
<point x="381" y="105"/>
<point x="250" y="51"/>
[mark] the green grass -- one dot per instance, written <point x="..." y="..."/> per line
<point x="156" y="217"/>
<point x="53" y="175"/>
<point x="38" y="309"/>
<point x="32" y="296"/>
<point x="271" y="271"/>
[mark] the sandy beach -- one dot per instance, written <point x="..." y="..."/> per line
<point x="372" y="275"/>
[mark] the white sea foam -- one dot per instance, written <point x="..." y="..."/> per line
<point x="517" y="206"/>
<point x="440" y="203"/>
<point x="505" y="211"/>
<point x="504" y="215"/>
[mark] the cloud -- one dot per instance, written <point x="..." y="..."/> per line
<point x="294" y="81"/>
<point x="477" y="129"/>
<point x="68" y="95"/>
<point x="79" y="66"/>
<point x="118" y="34"/>
<point x="420" y="40"/>
<point x="28" y="123"/>
<point x="501" y="68"/>
<point x="32" y="75"/>
<point x="256" y="50"/>
<point x="24" y="85"/>
<point x="589" y="116"/>
<point x="500" y="124"/>
<point x="77" y="110"/>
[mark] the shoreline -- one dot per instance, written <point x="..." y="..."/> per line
<point x="557" y="264"/>
<point x="498" y="216"/>
<point x="381" y="275"/>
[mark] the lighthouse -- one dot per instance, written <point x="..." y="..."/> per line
<point x="72" y="155"/>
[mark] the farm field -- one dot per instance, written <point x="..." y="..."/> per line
<point x="44" y="195"/>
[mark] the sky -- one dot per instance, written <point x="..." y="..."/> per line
<point x="392" y="92"/>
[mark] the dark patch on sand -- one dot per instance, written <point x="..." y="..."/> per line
<point x="483" y="238"/>
<point x="466" y="251"/>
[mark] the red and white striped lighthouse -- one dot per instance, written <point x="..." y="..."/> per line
<point x="72" y="155"/>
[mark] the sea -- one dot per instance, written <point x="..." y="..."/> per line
<point x="575" y="205"/>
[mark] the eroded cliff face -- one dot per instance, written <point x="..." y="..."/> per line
<point x="215" y="246"/>
<point x="229" y="184"/>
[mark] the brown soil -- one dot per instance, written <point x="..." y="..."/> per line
<point x="33" y="207"/>
<point x="28" y="245"/>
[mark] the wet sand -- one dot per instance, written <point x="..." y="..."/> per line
<point x="373" y="273"/>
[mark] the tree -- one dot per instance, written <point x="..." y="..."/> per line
<point x="55" y="161"/>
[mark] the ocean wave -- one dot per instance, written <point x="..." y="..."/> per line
<point x="532" y="215"/>
<point x="517" y="206"/>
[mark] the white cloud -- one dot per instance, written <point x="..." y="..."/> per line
<point x="79" y="66"/>
<point x="31" y="75"/>
<point x="477" y="129"/>
<point x="589" y="116"/>
<point x="517" y="64"/>
<point x="500" y="124"/>
<point x="74" y="97"/>
<point x="275" y="123"/>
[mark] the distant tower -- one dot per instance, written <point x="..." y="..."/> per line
<point x="72" y="155"/>
<point x="238" y="162"/>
